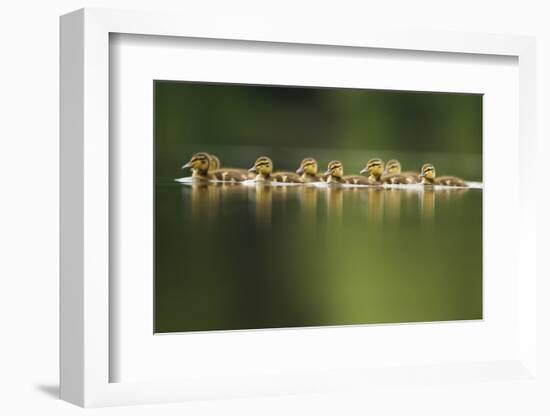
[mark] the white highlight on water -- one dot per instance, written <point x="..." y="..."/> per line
<point x="252" y="182"/>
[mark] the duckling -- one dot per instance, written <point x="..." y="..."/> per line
<point x="335" y="175"/>
<point x="308" y="171"/>
<point x="428" y="178"/>
<point x="200" y="165"/>
<point x="215" y="165"/>
<point x="375" y="169"/>
<point x="263" y="168"/>
<point x="393" y="174"/>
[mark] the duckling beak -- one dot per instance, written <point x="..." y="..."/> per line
<point x="365" y="170"/>
<point x="300" y="170"/>
<point x="253" y="169"/>
<point x="327" y="173"/>
<point x="187" y="165"/>
<point x="421" y="175"/>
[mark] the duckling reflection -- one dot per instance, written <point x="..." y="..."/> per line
<point x="392" y="202"/>
<point x="335" y="202"/>
<point x="446" y="196"/>
<point x="308" y="200"/>
<point x="205" y="200"/>
<point x="375" y="205"/>
<point x="427" y="203"/>
<point x="263" y="200"/>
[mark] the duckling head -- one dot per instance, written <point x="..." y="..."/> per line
<point x="427" y="173"/>
<point x="375" y="168"/>
<point x="393" y="166"/>
<point x="214" y="162"/>
<point x="199" y="164"/>
<point x="308" y="166"/>
<point x="263" y="167"/>
<point x="335" y="169"/>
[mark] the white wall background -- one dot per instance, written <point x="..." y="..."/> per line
<point x="29" y="198"/>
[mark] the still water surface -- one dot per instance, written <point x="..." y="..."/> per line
<point x="240" y="257"/>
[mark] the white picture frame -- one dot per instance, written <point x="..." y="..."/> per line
<point x="86" y="303"/>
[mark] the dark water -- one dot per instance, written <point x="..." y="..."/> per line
<point x="237" y="257"/>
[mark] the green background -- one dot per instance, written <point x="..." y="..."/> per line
<point x="235" y="257"/>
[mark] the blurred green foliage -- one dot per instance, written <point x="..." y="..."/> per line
<point x="241" y="122"/>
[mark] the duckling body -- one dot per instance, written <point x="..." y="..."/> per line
<point x="230" y="174"/>
<point x="335" y="175"/>
<point x="286" y="177"/>
<point x="412" y="177"/>
<point x="394" y="179"/>
<point x="357" y="180"/>
<point x="428" y="177"/>
<point x="263" y="169"/>
<point x="394" y="175"/>
<point x="308" y="171"/>
<point x="215" y="163"/>
<point x="450" y="181"/>
<point x="400" y="178"/>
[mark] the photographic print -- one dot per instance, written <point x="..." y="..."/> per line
<point x="284" y="207"/>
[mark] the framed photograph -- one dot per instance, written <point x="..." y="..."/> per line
<point x="266" y="213"/>
<point x="299" y="236"/>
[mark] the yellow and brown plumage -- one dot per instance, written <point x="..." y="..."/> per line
<point x="335" y="175"/>
<point x="215" y="163"/>
<point x="428" y="177"/>
<point x="263" y="169"/>
<point x="374" y="169"/>
<point x="394" y="175"/>
<point x="308" y="170"/>
<point x="221" y="171"/>
<point x="201" y="167"/>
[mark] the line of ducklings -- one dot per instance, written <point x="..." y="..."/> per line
<point x="207" y="167"/>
